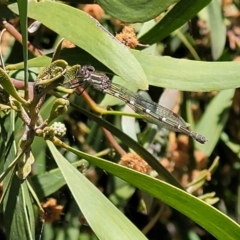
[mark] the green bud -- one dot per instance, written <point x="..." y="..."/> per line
<point x="25" y="166"/>
<point x="59" y="107"/>
<point x="59" y="129"/>
<point x="8" y="86"/>
<point x="51" y="73"/>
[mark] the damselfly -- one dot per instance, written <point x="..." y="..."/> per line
<point x="149" y="110"/>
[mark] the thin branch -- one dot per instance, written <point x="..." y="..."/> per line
<point x="1" y="56"/>
<point x="113" y="143"/>
<point x="13" y="31"/>
<point x="153" y="221"/>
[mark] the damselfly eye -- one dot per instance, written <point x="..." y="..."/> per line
<point x="90" y="68"/>
<point x="82" y="71"/>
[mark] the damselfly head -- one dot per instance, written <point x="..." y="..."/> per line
<point x="84" y="72"/>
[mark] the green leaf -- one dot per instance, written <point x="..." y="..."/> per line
<point x="40" y="157"/>
<point x="214" y="119"/>
<point x="205" y="215"/>
<point x="106" y="220"/>
<point x="42" y="61"/>
<point x="167" y="72"/>
<point x="8" y="86"/>
<point x="135" y="11"/>
<point x="217" y="28"/>
<point x="188" y="75"/>
<point x="16" y="216"/>
<point x="28" y="209"/>
<point x="48" y="183"/>
<point x="175" y="18"/>
<point x="128" y="124"/>
<point x="87" y="33"/>
<point x="235" y="147"/>
<point x="23" y="5"/>
<point x="40" y="143"/>
<point x="10" y="157"/>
